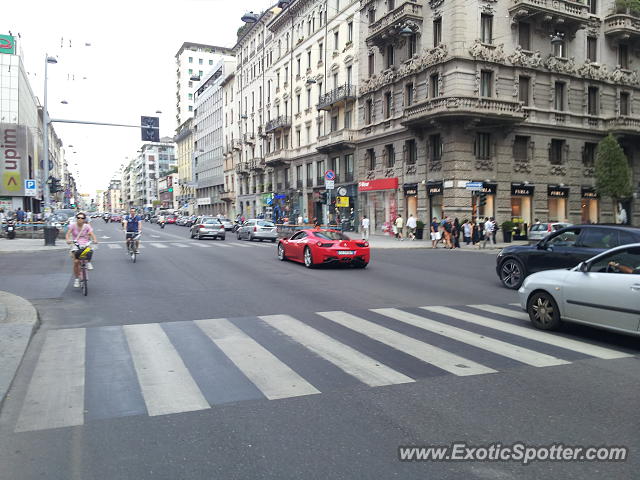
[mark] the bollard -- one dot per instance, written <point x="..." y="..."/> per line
<point x="50" y="234"/>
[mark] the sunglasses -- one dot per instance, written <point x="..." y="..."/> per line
<point x="83" y="218"/>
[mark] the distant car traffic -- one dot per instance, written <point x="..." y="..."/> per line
<point x="540" y="230"/>
<point x="115" y="217"/>
<point x="564" y="248"/>
<point x="207" y="227"/>
<point x="172" y="218"/>
<point x="228" y="224"/>
<point x="318" y="247"/>
<point x="603" y="291"/>
<point x="257" y="229"/>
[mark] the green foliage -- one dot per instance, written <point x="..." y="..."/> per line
<point x="612" y="170"/>
<point x="508" y="226"/>
<point x="419" y="225"/>
<point x="628" y="6"/>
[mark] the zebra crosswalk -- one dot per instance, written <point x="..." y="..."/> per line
<point x="84" y="374"/>
<point x="210" y="244"/>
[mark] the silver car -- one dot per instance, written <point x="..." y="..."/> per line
<point x="257" y="229"/>
<point x="538" y="231"/>
<point x="207" y="227"/>
<point x="228" y="224"/>
<point x="603" y="292"/>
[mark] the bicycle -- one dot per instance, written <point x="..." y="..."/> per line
<point x="85" y="257"/>
<point x="132" y="238"/>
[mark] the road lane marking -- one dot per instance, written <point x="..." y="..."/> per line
<point x="353" y="362"/>
<point x="506" y="312"/>
<point x="423" y="351"/>
<point x="274" y="378"/>
<point x="166" y="384"/>
<point x="55" y="397"/>
<point x="237" y="244"/>
<point x="158" y="245"/>
<point x="181" y="245"/>
<point x="200" y="245"/>
<point x="530" y="333"/>
<point x="114" y="245"/>
<point x="521" y="354"/>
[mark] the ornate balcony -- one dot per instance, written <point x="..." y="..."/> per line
<point x="277" y="157"/>
<point x="337" y="96"/>
<point x="242" y="168"/>
<point x="257" y="164"/>
<point x="389" y="26"/>
<point x="282" y="121"/>
<point x="623" y="125"/>
<point x="478" y="110"/>
<point x="338" y="140"/>
<point x="227" y="196"/>
<point x="622" y="26"/>
<point x="555" y="14"/>
<point x="236" y="144"/>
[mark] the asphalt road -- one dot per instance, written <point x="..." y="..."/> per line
<point x="267" y="396"/>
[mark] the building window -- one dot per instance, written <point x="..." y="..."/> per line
<point x="408" y="94"/>
<point x="350" y="32"/>
<point x="299" y="138"/>
<point x="483" y="146"/>
<point x="593" y="7"/>
<point x="435" y="147"/>
<point x="371" y="159"/>
<point x="555" y="152"/>
<point x="589" y="154"/>
<point x="372" y="64"/>
<point x="391" y="155"/>
<point x="387" y="104"/>
<point x="349" y="75"/>
<point x="559" y="45"/>
<point x="298" y="62"/>
<point x="210" y="62"/>
<point x="411" y="152"/>
<point x="437" y="32"/>
<point x="521" y="149"/>
<point x="623" y="56"/>
<point x="435" y="85"/>
<point x="336" y="40"/>
<point x="486" y="28"/>
<point x="298" y="103"/>
<point x="523" y="90"/>
<point x="348" y="164"/>
<point x="412" y="45"/>
<point x="390" y="55"/>
<point x="334" y="122"/>
<point x="321" y="51"/>
<point x="191" y="96"/>
<point x="371" y="15"/>
<point x="308" y="98"/>
<point x="190" y="59"/>
<point x="347" y="119"/>
<point x="191" y="108"/>
<point x="368" y="112"/>
<point x="592" y="101"/>
<point x="486" y="81"/>
<point x="199" y="61"/>
<point x="592" y="49"/>
<point x="191" y="71"/>
<point x="524" y="35"/>
<point x="309" y="59"/>
<point x="559" y="96"/>
<point x="391" y="4"/>
<point x="624" y="104"/>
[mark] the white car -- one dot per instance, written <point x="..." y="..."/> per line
<point x="603" y="292"/>
<point x="538" y="231"/>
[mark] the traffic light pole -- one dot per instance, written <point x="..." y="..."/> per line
<point x="84" y="122"/>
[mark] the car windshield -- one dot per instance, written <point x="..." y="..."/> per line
<point x="210" y="220"/>
<point x="263" y="223"/>
<point x="327" y="235"/>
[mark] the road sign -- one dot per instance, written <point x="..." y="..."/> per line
<point x="329" y="184"/>
<point x="330" y="175"/>
<point x="30" y="189"/>
<point x="342" y="201"/>
<point x="474" y="186"/>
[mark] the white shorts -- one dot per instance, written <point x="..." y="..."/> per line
<point x="435" y="236"/>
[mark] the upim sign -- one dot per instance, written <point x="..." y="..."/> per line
<point x="12" y="151"/>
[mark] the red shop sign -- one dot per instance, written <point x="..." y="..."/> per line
<point x="380" y="184"/>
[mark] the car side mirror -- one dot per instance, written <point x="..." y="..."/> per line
<point x="584" y="267"/>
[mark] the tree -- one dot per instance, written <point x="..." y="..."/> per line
<point x="612" y="171"/>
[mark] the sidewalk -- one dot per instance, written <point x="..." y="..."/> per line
<point x="28" y="245"/>
<point x="387" y="241"/>
<point x="18" y="322"/>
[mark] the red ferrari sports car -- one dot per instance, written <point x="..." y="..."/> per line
<point x="318" y="247"/>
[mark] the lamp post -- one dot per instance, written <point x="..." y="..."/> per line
<point x="45" y="140"/>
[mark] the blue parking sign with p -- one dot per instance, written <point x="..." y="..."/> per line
<point x="29" y="184"/>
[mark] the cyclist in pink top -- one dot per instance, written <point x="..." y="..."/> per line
<point x="81" y="233"/>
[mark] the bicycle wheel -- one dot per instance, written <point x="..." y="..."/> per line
<point x="84" y="280"/>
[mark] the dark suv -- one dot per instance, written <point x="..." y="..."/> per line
<point x="565" y="248"/>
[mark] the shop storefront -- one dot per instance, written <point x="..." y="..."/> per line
<point x="590" y="205"/>
<point x="522" y="205"/>
<point x="558" y="198"/>
<point x="487" y="200"/>
<point x="435" y="192"/>
<point x="411" y="199"/>
<point x="380" y="202"/>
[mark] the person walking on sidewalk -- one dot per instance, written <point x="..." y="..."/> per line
<point x="467" y="230"/>
<point x="435" y="232"/>
<point x="448" y="229"/>
<point x="399" y="224"/>
<point x="411" y="227"/>
<point x="365" y="228"/>
<point x="488" y="233"/>
<point x="456" y="233"/>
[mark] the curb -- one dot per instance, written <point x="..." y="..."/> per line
<point x="17" y="327"/>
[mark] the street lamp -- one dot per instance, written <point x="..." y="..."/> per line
<point x="406" y="32"/>
<point x="249" y="17"/>
<point x="45" y="141"/>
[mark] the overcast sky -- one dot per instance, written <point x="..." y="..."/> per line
<point x="127" y="71"/>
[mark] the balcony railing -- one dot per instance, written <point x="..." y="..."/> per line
<point x="390" y="24"/>
<point x="277" y="157"/>
<point x="256" y="164"/>
<point x="623" y="125"/>
<point x="343" y="93"/>
<point x="338" y="140"/>
<point x="309" y="182"/>
<point x="484" y="110"/>
<point x="282" y="121"/>
<point x="560" y="12"/>
<point x="622" y="26"/>
<point x="242" y="168"/>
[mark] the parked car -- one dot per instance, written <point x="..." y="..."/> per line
<point x="603" y="291"/>
<point x="62" y="216"/>
<point x="181" y="221"/>
<point x="564" y="248"/>
<point x="207" y="227"/>
<point x="191" y="220"/>
<point x="257" y="229"/>
<point x="228" y="224"/>
<point x="540" y="230"/>
<point x="172" y="218"/>
<point x="116" y="217"/>
<point x="316" y="247"/>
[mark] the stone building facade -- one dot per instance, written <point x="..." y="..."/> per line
<point x="514" y="94"/>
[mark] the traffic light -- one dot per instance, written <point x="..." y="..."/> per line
<point x="482" y="199"/>
<point x="150" y="129"/>
<point x="170" y="189"/>
<point x="54" y="185"/>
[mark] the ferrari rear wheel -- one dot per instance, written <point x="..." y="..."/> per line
<point x="281" y="255"/>
<point x="308" y="259"/>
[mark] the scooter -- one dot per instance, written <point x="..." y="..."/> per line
<point x="11" y="230"/>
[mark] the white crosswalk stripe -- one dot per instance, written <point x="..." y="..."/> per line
<point x="167" y="380"/>
<point x="427" y="353"/>
<point x="114" y="245"/>
<point x="237" y="244"/>
<point x="265" y="370"/>
<point x="158" y="245"/>
<point x="180" y="245"/>
<point x="544" y="337"/>
<point x="202" y="245"/>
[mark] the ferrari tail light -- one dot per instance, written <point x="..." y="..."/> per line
<point x="320" y="244"/>
<point x="363" y="244"/>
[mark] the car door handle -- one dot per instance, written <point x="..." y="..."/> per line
<point x="635" y="287"/>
